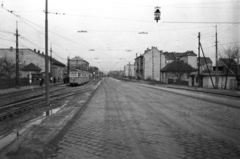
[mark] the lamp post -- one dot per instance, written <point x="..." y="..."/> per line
<point x="157" y="14"/>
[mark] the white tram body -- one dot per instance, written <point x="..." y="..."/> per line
<point x="78" y="77"/>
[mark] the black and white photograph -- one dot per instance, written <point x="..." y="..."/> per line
<point x="111" y="79"/>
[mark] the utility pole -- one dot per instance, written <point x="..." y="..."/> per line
<point x="68" y="67"/>
<point x="160" y="75"/>
<point x="139" y="64"/>
<point x="17" y="57"/>
<point x="46" y="55"/>
<point x="129" y="70"/>
<point x="199" y="59"/>
<point x="51" y="72"/>
<point x="152" y="64"/>
<point x="216" y="84"/>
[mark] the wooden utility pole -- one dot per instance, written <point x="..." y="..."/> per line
<point x="17" y="57"/>
<point x="160" y="75"/>
<point x="199" y="35"/>
<point x="46" y="55"/>
<point x="152" y="64"/>
<point x="129" y="70"/>
<point x="217" y="77"/>
<point x="51" y="72"/>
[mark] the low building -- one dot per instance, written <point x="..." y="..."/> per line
<point x="227" y="76"/>
<point x="57" y="69"/>
<point x="205" y="64"/>
<point x="188" y="57"/>
<point x="177" y="70"/>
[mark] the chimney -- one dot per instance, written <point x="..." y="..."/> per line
<point x="11" y="48"/>
<point x="39" y="51"/>
<point x="42" y="53"/>
<point x="34" y="50"/>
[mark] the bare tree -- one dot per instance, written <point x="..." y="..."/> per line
<point x="7" y="67"/>
<point x="229" y="55"/>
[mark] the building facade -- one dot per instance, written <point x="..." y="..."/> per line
<point x="153" y="62"/>
<point x="129" y="70"/>
<point x="78" y="63"/>
<point x="28" y="56"/>
<point x="138" y="66"/>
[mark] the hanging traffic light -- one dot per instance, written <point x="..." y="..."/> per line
<point x="157" y="13"/>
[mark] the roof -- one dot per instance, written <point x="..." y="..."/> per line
<point x="141" y="56"/>
<point x="202" y="61"/>
<point x="169" y="56"/>
<point x="174" y="55"/>
<point x="56" y="62"/>
<point x="178" y="66"/>
<point x="31" y="67"/>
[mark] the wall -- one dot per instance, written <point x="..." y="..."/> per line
<point x="149" y="70"/>
<point x="208" y="84"/>
<point x="192" y="60"/>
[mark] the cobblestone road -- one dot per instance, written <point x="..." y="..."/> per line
<point x="125" y="120"/>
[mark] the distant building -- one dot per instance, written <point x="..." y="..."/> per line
<point x="153" y="62"/>
<point x="129" y="70"/>
<point x="188" y="57"/>
<point x="138" y="66"/>
<point x="78" y="63"/>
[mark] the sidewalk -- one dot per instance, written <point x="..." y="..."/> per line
<point x="25" y="88"/>
<point x="233" y="93"/>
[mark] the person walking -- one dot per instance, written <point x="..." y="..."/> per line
<point x="54" y="79"/>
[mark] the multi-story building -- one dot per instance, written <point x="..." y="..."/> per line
<point x="153" y="62"/>
<point x="79" y="63"/>
<point x="138" y="66"/>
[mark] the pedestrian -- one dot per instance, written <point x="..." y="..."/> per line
<point x="51" y="79"/>
<point x="54" y="79"/>
<point x="41" y="81"/>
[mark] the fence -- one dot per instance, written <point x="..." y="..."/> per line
<point x="178" y="82"/>
<point x="9" y="83"/>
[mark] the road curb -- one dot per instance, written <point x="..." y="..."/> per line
<point x="204" y="91"/>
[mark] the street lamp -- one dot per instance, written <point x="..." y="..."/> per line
<point x="157" y="13"/>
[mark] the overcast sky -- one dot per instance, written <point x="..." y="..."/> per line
<point x="113" y="27"/>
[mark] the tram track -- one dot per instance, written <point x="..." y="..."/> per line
<point x="8" y="111"/>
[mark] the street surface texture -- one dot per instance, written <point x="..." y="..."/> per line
<point x="126" y="120"/>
